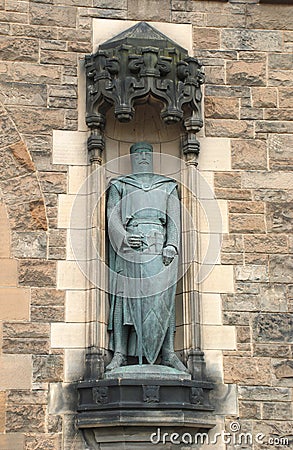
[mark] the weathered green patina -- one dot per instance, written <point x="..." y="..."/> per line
<point x="144" y="233"/>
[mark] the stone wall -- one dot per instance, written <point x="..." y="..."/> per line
<point x="246" y="48"/>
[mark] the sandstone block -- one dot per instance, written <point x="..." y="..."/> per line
<point x="69" y="335"/>
<point x="18" y="49"/>
<point x="246" y="223"/>
<point x="9" y="377"/>
<point x="44" y="14"/>
<point x="14" y="304"/>
<point x="220" y="108"/>
<point x="2" y="412"/>
<point x="206" y="38"/>
<point x="8" y="272"/>
<point x="247" y="371"/>
<point x="37" y="273"/>
<point x="229" y="128"/>
<point x="271" y="126"/>
<point x="280" y="77"/>
<point x="23" y="94"/>
<point x="264" y="41"/>
<point x="277" y="114"/>
<point x="273" y="327"/>
<point x="48" y="442"/>
<point x="195" y="18"/>
<point x="246" y="73"/>
<point x="4" y="232"/>
<point x="12" y="440"/>
<point x="47" y="314"/>
<point x="228" y="91"/>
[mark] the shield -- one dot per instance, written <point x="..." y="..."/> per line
<point x="151" y="314"/>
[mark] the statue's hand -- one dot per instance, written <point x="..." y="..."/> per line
<point x="133" y="240"/>
<point x="169" y="254"/>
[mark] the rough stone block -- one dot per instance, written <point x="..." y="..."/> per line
<point x="35" y="73"/>
<point x="26" y="418"/>
<point x="247" y="371"/>
<point x="29" y="244"/>
<point x="250" y="410"/>
<point x="281" y="268"/>
<point x="270" y="17"/>
<point x="285" y="97"/>
<point x="279" y="217"/>
<point x="266" y="244"/>
<point x="256" y="180"/>
<point x="149" y="10"/>
<point x="37" y="120"/>
<point x="248" y="207"/>
<point x="264" y="97"/>
<point x="264" y="41"/>
<point x="49" y="15"/>
<point x="220" y="108"/>
<point x="251" y="273"/>
<point x="47" y="297"/>
<point x="47" y="368"/>
<point x="18" y="49"/>
<point x="246" y="73"/>
<point x="246" y="223"/>
<point x="52" y="182"/>
<point x="229" y="128"/>
<point x="273" y="126"/>
<point x="249" y="154"/>
<point x="37" y="273"/>
<point x="31" y="215"/>
<point x="273" y="327"/>
<point x="277" y="410"/>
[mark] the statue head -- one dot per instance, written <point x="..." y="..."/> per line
<point x="141" y="154"/>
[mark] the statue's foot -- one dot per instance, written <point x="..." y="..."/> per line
<point x="118" y="360"/>
<point x="172" y="360"/>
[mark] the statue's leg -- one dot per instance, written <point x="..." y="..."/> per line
<point x="169" y="357"/>
<point x="121" y="333"/>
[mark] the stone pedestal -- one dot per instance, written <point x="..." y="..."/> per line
<point x="132" y="403"/>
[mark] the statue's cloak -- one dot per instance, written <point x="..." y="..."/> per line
<point x="139" y="277"/>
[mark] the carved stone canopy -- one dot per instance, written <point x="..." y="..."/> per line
<point x="138" y="63"/>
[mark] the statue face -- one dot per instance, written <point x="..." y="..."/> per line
<point x="142" y="162"/>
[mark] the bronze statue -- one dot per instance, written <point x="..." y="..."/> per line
<point x="143" y="214"/>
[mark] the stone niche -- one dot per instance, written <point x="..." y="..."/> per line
<point x="143" y="86"/>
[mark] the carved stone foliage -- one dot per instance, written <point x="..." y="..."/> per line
<point x="138" y="63"/>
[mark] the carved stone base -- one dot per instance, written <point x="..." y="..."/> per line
<point x="115" y="411"/>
